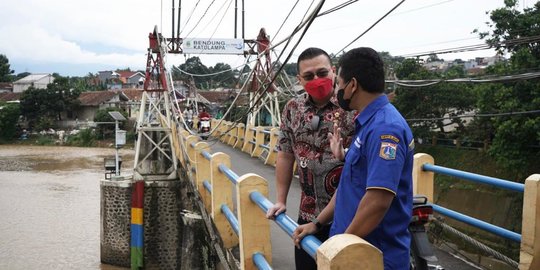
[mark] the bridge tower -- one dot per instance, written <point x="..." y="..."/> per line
<point x="262" y="90"/>
<point x="154" y="157"/>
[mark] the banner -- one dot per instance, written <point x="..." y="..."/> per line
<point x="213" y="46"/>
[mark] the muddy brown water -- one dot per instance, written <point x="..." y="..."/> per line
<point x="50" y="206"/>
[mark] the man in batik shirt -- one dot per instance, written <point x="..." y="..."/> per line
<point x="306" y="122"/>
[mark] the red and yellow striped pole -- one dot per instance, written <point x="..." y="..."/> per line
<point x="137" y="232"/>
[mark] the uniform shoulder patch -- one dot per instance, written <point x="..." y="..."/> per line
<point x="390" y="137"/>
<point x="388" y="151"/>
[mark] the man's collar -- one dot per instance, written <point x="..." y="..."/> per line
<point x="370" y="110"/>
<point x="309" y="102"/>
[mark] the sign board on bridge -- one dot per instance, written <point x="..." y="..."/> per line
<point x="213" y="46"/>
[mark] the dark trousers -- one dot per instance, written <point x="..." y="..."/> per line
<point x="302" y="259"/>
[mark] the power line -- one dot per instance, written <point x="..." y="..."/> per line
<point x="429" y="82"/>
<point x="475" y="115"/>
<point x="373" y="25"/>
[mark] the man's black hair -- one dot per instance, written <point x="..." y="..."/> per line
<point x="311" y="53"/>
<point x="366" y="65"/>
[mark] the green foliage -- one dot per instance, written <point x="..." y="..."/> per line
<point x="85" y="138"/>
<point x="9" y="117"/>
<point x="45" y="106"/>
<point x="5" y="71"/>
<point x="44" y="140"/>
<point x="516" y="138"/>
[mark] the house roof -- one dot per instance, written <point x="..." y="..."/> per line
<point x="9" y="96"/>
<point x="96" y="98"/>
<point x="32" y="78"/>
<point x="133" y="94"/>
<point x="6" y="85"/>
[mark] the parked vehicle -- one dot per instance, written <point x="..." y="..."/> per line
<point x="421" y="249"/>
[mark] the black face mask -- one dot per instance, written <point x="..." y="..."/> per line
<point x="344" y="103"/>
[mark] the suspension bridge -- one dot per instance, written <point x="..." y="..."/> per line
<point x="193" y="203"/>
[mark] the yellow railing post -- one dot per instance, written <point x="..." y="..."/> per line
<point x="248" y="146"/>
<point x="240" y="134"/>
<point x="259" y="139"/>
<point x="191" y="155"/>
<point x="203" y="165"/>
<point x="254" y="227"/>
<point x="348" y="251"/>
<point x="233" y="135"/>
<point x="423" y="180"/>
<point x="222" y="194"/>
<point x="272" y="155"/>
<point x="225" y="132"/>
<point x="529" y="255"/>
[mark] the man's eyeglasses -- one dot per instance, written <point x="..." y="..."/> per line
<point x="315" y="122"/>
<point x="321" y="73"/>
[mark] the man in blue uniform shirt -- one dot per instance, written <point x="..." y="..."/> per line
<point x="374" y="196"/>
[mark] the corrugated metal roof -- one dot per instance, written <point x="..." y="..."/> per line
<point x="32" y="78"/>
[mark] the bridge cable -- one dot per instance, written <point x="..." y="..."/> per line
<point x="476" y="243"/>
<point x="189" y="17"/>
<point x="200" y="19"/>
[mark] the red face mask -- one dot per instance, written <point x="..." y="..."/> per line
<point x="319" y="88"/>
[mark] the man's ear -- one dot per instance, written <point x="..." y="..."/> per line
<point x="354" y="85"/>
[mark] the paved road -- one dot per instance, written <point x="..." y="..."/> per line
<point x="282" y="247"/>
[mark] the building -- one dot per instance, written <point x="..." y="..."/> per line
<point x="38" y="80"/>
<point x="6" y="87"/>
<point x="132" y="79"/>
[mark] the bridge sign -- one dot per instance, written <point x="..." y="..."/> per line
<point x="213" y="46"/>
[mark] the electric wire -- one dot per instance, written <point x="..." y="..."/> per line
<point x="474" y="115"/>
<point x="220" y="9"/>
<point x="371" y="27"/>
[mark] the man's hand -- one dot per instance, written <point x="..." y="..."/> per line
<point x="336" y="143"/>
<point x="301" y="231"/>
<point x="275" y="210"/>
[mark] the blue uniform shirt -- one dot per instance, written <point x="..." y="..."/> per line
<point x="380" y="157"/>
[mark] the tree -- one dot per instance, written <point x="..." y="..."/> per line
<point x="224" y="77"/>
<point x="515" y="138"/>
<point x="193" y="65"/>
<point x="42" y="107"/>
<point x="9" y="117"/>
<point x="5" y="70"/>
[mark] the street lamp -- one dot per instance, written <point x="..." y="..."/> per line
<point x="120" y="136"/>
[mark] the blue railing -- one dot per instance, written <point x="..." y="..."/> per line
<point x="230" y="217"/>
<point x="500" y="183"/>
<point x="309" y="243"/>
<point x="261" y="262"/>
<point x="207" y="185"/>
<point x="229" y="173"/>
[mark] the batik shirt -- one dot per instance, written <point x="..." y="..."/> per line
<point x="318" y="170"/>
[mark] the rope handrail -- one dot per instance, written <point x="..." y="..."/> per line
<point x="309" y="243"/>
<point x="500" y="183"/>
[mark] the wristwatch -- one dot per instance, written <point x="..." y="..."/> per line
<point x="317" y="223"/>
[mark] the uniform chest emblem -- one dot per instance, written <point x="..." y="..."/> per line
<point x="388" y="150"/>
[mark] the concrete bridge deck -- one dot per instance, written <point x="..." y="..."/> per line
<point x="282" y="246"/>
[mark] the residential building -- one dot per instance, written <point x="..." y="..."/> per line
<point x="6" y="87"/>
<point x="38" y="80"/>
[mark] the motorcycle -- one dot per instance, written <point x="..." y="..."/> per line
<point x="421" y="249"/>
<point x="204" y="127"/>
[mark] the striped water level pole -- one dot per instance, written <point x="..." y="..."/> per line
<point x="137" y="204"/>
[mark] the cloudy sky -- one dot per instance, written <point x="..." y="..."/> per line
<point x="77" y="37"/>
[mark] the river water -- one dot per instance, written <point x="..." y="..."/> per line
<point x="50" y="206"/>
